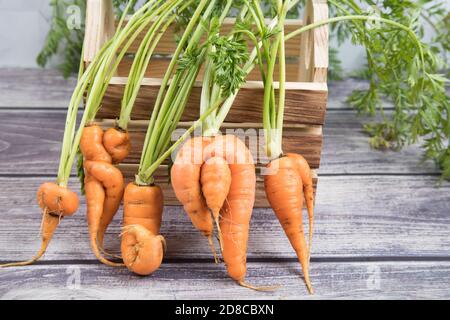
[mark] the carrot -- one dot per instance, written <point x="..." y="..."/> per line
<point x="104" y="188"/>
<point x="56" y="203"/>
<point x="185" y="179"/>
<point x="283" y="186"/>
<point x="215" y="180"/>
<point x="308" y="191"/>
<point x="237" y="211"/>
<point x="142" y="246"/>
<point x="117" y="143"/>
<point x="91" y="144"/>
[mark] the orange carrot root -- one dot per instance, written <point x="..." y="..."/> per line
<point x="224" y="183"/>
<point x="56" y="203"/>
<point x="216" y="181"/>
<point x="284" y="190"/>
<point x="308" y="191"/>
<point x="142" y="246"/>
<point x="238" y="207"/>
<point x="142" y="250"/>
<point x="185" y="178"/>
<point x="91" y="144"/>
<point x="104" y="187"/>
<point x="263" y="289"/>
<point x="117" y="143"/>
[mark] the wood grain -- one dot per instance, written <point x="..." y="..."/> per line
<point x="167" y="44"/>
<point x="158" y="66"/>
<point x="99" y="27"/>
<point x="305" y="102"/>
<point x="34" y="88"/>
<point x="178" y="281"/>
<point x="356" y="216"/>
<point x="314" y="44"/>
<point x="42" y="88"/>
<point x="30" y="144"/>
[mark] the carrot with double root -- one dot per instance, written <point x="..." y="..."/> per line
<point x="213" y="176"/>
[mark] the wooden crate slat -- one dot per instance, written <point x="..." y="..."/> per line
<point x="167" y="44"/>
<point x="158" y="67"/>
<point x="305" y="102"/>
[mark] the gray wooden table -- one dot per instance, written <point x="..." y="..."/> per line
<point x="382" y="231"/>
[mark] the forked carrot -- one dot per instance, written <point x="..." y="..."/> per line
<point x="284" y="190"/>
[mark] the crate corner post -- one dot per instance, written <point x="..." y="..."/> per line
<point x="99" y="28"/>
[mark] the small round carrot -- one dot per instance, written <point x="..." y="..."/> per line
<point x="284" y="190"/>
<point x="56" y="203"/>
<point x="185" y="179"/>
<point x="142" y="246"/>
<point x="117" y="142"/>
<point x="216" y="181"/>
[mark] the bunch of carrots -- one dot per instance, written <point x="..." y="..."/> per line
<point x="213" y="175"/>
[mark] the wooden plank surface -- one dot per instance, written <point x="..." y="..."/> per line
<point x="41" y="88"/>
<point x="305" y="101"/>
<point x="354" y="280"/>
<point x="158" y="66"/>
<point x="30" y="144"/>
<point x="356" y="216"/>
<point x="380" y="216"/>
<point x="34" y="88"/>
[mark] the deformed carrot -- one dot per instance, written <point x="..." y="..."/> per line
<point x="215" y="181"/>
<point x="238" y="207"/>
<point x="56" y="203"/>
<point x="308" y="191"/>
<point x="117" y="143"/>
<point x="104" y="187"/>
<point x="142" y="245"/>
<point x="284" y="190"/>
<point x="185" y="179"/>
<point x="91" y="144"/>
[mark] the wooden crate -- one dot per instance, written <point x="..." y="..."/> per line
<point x="306" y="96"/>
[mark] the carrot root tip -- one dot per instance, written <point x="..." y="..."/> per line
<point x="262" y="289"/>
<point x="213" y="250"/>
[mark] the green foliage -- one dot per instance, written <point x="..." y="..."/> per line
<point x="65" y="42"/>
<point x="62" y="40"/>
<point x="228" y="57"/>
<point x="421" y="109"/>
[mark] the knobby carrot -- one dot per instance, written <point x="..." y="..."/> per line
<point x="142" y="246"/>
<point x="285" y="195"/>
<point x="104" y="187"/>
<point x="117" y="143"/>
